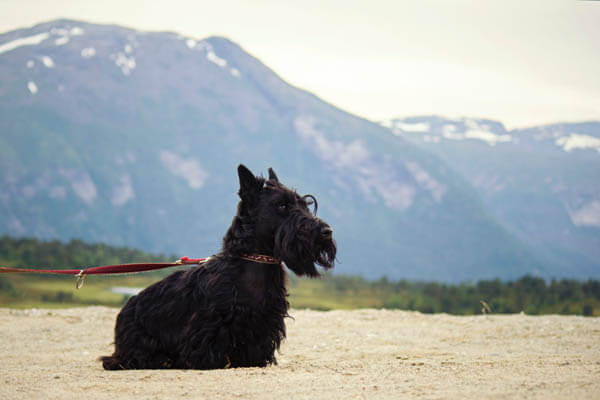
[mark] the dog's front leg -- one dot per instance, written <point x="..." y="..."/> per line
<point x="209" y="351"/>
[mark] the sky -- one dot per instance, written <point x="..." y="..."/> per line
<point x="523" y="63"/>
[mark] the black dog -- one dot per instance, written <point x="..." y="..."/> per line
<point x="228" y="312"/>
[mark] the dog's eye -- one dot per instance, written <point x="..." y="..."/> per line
<point x="283" y="207"/>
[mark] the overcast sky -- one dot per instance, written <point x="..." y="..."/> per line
<point x="522" y="62"/>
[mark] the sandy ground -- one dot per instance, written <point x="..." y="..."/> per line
<point x="51" y="354"/>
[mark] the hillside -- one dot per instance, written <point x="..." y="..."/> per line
<point x="542" y="183"/>
<point x="132" y="138"/>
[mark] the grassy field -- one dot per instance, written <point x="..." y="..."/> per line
<point x="60" y="292"/>
<point x="528" y="294"/>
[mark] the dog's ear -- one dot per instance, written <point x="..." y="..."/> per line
<point x="272" y="175"/>
<point x="249" y="185"/>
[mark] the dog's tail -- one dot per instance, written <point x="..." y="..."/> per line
<point x="111" y="363"/>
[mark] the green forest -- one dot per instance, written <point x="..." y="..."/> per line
<point x="528" y="294"/>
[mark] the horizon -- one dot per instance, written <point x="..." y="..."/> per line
<point x="539" y="72"/>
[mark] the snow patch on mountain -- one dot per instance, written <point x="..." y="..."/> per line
<point x="64" y="35"/>
<point x="576" y="141"/>
<point x="190" y="43"/>
<point x="435" y="188"/>
<point x="74" y="31"/>
<point x="388" y="123"/>
<point x="212" y="57"/>
<point x="419" y="127"/>
<point x="463" y="129"/>
<point x="26" y="41"/>
<point x="476" y="131"/>
<point x="399" y="127"/>
<point x="47" y="61"/>
<point x="340" y="154"/>
<point x="123" y="192"/>
<point x="32" y="87"/>
<point x="188" y="169"/>
<point x="81" y="183"/>
<point x="371" y="175"/>
<point x="588" y="215"/>
<point x="126" y="64"/>
<point x="88" y="52"/>
<point x="396" y="195"/>
<point x="61" y="41"/>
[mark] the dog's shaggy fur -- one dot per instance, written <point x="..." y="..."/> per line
<point x="228" y="312"/>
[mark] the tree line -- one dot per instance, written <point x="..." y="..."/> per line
<point x="28" y="252"/>
<point x="529" y="294"/>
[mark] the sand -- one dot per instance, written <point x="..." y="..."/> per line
<point x="371" y="354"/>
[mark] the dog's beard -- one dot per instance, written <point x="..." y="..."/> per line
<point x="300" y="244"/>
<point x="326" y="256"/>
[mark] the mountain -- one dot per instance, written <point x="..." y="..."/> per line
<point x="542" y="184"/>
<point x="133" y="138"/>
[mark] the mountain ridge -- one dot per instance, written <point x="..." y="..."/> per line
<point x="548" y="195"/>
<point x="132" y="138"/>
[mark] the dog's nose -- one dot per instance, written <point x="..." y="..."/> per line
<point x="326" y="231"/>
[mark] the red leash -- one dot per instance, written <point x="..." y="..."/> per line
<point x="108" y="269"/>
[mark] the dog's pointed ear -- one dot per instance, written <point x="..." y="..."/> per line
<point x="272" y="175"/>
<point x="249" y="185"/>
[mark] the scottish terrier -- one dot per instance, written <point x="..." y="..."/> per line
<point x="229" y="311"/>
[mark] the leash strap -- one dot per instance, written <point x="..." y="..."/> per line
<point x="107" y="269"/>
<point x="80" y="274"/>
